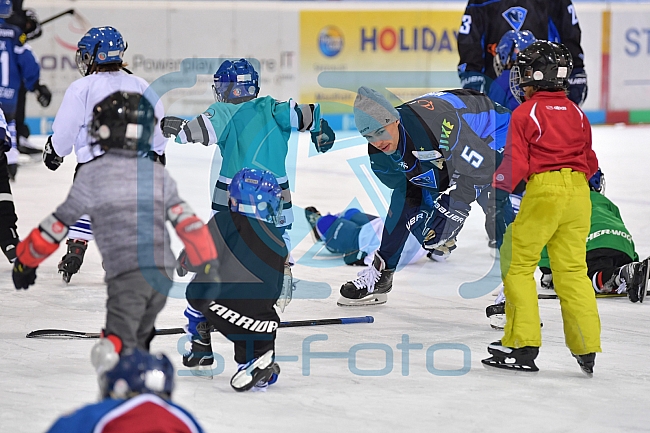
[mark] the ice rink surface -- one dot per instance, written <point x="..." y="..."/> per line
<point x="368" y="382"/>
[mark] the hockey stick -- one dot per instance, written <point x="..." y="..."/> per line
<point x="59" y="15"/>
<point x="598" y="295"/>
<point x="63" y="333"/>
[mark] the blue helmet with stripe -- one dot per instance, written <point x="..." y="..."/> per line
<point x="236" y="82"/>
<point x="511" y="43"/>
<point x="99" y="46"/>
<point x="6" y="8"/>
<point x="138" y="373"/>
<point x="257" y="194"/>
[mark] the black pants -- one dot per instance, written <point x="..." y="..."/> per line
<point x="251" y="324"/>
<point x="8" y="218"/>
<point x="607" y="261"/>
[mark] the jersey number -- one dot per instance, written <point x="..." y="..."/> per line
<point x="472" y="157"/>
<point x="574" y="17"/>
<point x="466" y="25"/>
<point x="4" y="73"/>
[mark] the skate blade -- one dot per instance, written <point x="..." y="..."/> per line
<point x="202" y="371"/>
<point x="644" y="284"/>
<point x="492" y="364"/>
<point x="243" y="380"/>
<point x="371" y="299"/>
<point x="588" y="374"/>
<point x="498" y="321"/>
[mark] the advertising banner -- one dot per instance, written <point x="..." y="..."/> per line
<point x="630" y="58"/>
<point x="161" y="34"/>
<point x="409" y="52"/>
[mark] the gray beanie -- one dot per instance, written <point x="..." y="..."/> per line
<point x="372" y="110"/>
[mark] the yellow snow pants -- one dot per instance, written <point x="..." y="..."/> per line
<point x="555" y="211"/>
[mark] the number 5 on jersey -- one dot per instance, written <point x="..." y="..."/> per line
<point x="472" y="157"/>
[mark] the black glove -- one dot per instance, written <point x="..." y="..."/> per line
<point x="5" y="140"/>
<point x="182" y="264"/>
<point x="9" y="246"/>
<point x="43" y="94"/>
<point x="50" y="158"/>
<point x="323" y="139"/>
<point x="32" y="25"/>
<point x="435" y="229"/>
<point x="502" y="213"/>
<point x="171" y="125"/>
<point x="23" y="276"/>
<point x="578" y="86"/>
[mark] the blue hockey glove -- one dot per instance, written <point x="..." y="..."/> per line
<point x="323" y="139"/>
<point x="50" y="158"/>
<point x="171" y="125"/>
<point x="578" y="86"/>
<point x="447" y="221"/>
<point x="23" y="275"/>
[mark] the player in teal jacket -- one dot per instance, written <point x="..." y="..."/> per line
<point x="250" y="132"/>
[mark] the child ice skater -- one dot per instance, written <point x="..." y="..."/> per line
<point x="549" y="145"/>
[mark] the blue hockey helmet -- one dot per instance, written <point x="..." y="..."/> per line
<point x="597" y="182"/>
<point x="99" y="46"/>
<point x="236" y="82"/>
<point x="6" y="8"/>
<point x="136" y="373"/>
<point x="256" y="193"/>
<point x="511" y="43"/>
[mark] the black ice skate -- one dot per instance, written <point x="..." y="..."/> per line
<point x="497" y="315"/>
<point x="71" y="262"/>
<point x="586" y="363"/>
<point x="371" y="287"/>
<point x="259" y="373"/>
<point x="508" y="358"/>
<point x="200" y="357"/>
<point x="634" y="278"/>
<point x="312" y="215"/>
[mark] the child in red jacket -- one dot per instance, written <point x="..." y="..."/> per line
<point x="549" y="146"/>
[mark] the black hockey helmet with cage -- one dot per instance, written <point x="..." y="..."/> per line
<point x="543" y="64"/>
<point x="123" y="120"/>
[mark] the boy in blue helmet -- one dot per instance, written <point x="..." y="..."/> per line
<point x="250" y="132"/>
<point x="252" y="255"/>
<point x="136" y="398"/>
<point x="99" y="59"/>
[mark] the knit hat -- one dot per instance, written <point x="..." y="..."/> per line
<point x="372" y="110"/>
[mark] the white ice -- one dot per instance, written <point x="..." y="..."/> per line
<point x="43" y="379"/>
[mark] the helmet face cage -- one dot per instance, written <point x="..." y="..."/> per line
<point x="123" y="120"/>
<point x="101" y="46"/>
<point x="138" y="373"/>
<point x="236" y="82"/>
<point x="6" y="8"/>
<point x="515" y="77"/>
<point x="257" y="194"/>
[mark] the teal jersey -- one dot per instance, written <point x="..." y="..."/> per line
<point x="607" y="229"/>
<point x="253" y="134"/>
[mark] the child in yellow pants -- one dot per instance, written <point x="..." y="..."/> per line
<point x="549" y="145"/>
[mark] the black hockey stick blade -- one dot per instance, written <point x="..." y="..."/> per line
<point x="598" y="295"/>
<point x="59" y="15"/>
<point x="66" y="334"/>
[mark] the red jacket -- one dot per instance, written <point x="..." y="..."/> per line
<point x="546" y="133"/>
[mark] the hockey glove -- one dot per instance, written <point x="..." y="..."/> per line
<point x="43" y="94"/>
<point x="287" y="289"/>
<point x="5" y="140"/>
<point x="449" y="218"/>
<point x="324" y="138"/>
<point x="474" y="81"/>
<point x="199" y="246"/>
<point x="503" y="214"/>
<point x="171" y="125"/>
<point x="578" y="86"/>
<point x="50" y="158"/>
<point x="23" y="275"/>
<point x="182" y="264"/>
